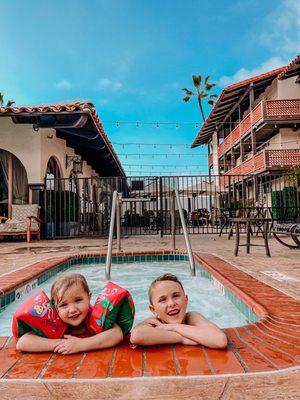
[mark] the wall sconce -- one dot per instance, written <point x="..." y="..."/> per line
<point x="77" y="163"/>
<point x="35" y="127"/>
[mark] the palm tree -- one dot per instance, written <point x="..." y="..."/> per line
<point x="201" y="92"/>
<point x="9" y="102"/>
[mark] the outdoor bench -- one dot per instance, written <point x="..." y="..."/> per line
<point x="288" y="229"/>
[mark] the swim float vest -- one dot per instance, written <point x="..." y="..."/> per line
<point x="38" y="314"/>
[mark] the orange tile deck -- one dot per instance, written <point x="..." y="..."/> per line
<point x="270" y="344"/>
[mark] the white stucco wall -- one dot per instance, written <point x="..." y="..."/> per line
<point x="25" y="144"/>
<point x="288" y="89"/>
<point x="285" y="139"/>
<point x="34" y="149"/>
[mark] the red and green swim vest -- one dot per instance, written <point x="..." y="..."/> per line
<point x="38" y="314"/>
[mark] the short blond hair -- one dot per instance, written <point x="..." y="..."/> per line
<point x="162" y="278"/>
<point x="64" y="282"/>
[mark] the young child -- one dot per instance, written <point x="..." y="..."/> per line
<point x="71" y="297"/>
<point x="171" y="322"/>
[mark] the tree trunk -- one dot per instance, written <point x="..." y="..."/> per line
<point x="201" y="109"/>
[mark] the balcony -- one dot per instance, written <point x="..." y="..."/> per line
<point x="265" y="111"/>
<point x="268" y="160"/>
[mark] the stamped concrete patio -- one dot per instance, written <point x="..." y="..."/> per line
<point x="262" y="360"/>
<point x="18" y="254"/>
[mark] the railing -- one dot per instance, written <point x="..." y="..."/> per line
<point x="176" y="197"/>
<point x="265" y="110"/>
<point x="267" y="159"/>
<point x="114" y="209"/>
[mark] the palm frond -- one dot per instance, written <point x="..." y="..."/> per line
<point x="213" y="96"/>
<point x="188" y="92"/>
<point x="9" y="103"/>
<point x="1" y="99"/>
<point x="186" y="99"/>
<point x="209" y="86"/>
<point x="211" y="102"/>
<point x="197" y="80"/>
<point x="202" y="95"/>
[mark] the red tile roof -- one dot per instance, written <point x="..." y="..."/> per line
<point x="292" y="69"/>
<point x="253" y="79"/>
<point x="230" y="94"/>
<point x="66" y="107"/>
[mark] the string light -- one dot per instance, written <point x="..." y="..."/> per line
<point x="160" y="165"/>
<point x="177" y="124"/>
<point x="187" y="145"/>
<point x="166" y="155"/>
<point x="166" y="173"/>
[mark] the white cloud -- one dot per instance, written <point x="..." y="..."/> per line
<point x="243" y="73"/>
<point x="63" y="84"/>
<point x="283" y="29"/>
<point x="108" y="84"/>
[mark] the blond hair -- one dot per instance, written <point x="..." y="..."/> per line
<point x="64" y="282"/>
<point x="162" y="278"/>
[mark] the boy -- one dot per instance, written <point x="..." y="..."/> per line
<point x="171" y="323"/>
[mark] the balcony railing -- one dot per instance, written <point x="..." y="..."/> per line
<point x="267" y="159"/>
<point x="274" y="110"/>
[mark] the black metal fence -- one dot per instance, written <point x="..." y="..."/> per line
<point x="81" y="206"/>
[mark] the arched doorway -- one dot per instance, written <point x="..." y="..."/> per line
<point x="52" y="174"/>
<point x="13" y="182"/>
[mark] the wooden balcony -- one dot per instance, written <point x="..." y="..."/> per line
<point x="268" y="160"/>
<point x="265" y="111"/>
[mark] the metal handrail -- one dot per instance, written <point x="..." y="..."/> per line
<point x="114" y="207"/>
<point x="184" y="228"/>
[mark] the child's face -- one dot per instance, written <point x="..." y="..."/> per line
<point x="74" y="306"/>
<point x="169" y="302"/>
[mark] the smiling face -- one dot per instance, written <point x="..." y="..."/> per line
<point x="169" y="302"/>
<point x="73" y="305"/>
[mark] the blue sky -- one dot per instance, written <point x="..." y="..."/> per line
<point x="132" y="57"/>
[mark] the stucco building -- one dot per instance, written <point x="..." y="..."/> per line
<point x="43" y="145"/>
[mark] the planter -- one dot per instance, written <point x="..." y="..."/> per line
<point x="68" y="228"/>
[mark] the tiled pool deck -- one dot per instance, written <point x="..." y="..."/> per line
<point x="262" y="358"/>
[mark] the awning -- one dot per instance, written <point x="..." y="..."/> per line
<point x="79" y="125"/>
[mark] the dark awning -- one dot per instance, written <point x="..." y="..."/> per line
<point x="79" y="125"/>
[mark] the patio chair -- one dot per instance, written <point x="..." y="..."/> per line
<point x="24" y="221"/>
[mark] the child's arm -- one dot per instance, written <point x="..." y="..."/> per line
<point x="199" y="330"/>
<point x="72" y="344"/>
<point x="149" y="333"/>
<point x="33" y="343"/>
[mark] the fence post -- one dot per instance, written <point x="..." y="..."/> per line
<point x="161" y="208"/>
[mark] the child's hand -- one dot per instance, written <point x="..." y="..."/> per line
<point x="168" y="327"/>
<point x="154" y="322"/>
<point x="69" y="345"/>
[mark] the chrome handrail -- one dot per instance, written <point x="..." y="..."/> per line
<point x="184" y="228"/>
<point x="115" y="200"/>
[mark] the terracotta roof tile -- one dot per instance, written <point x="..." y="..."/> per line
<point x="208" y="124"/>
<point x="254" y="79"/>
<point x="289" y="67"/>
<point x="63" y="107"/>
